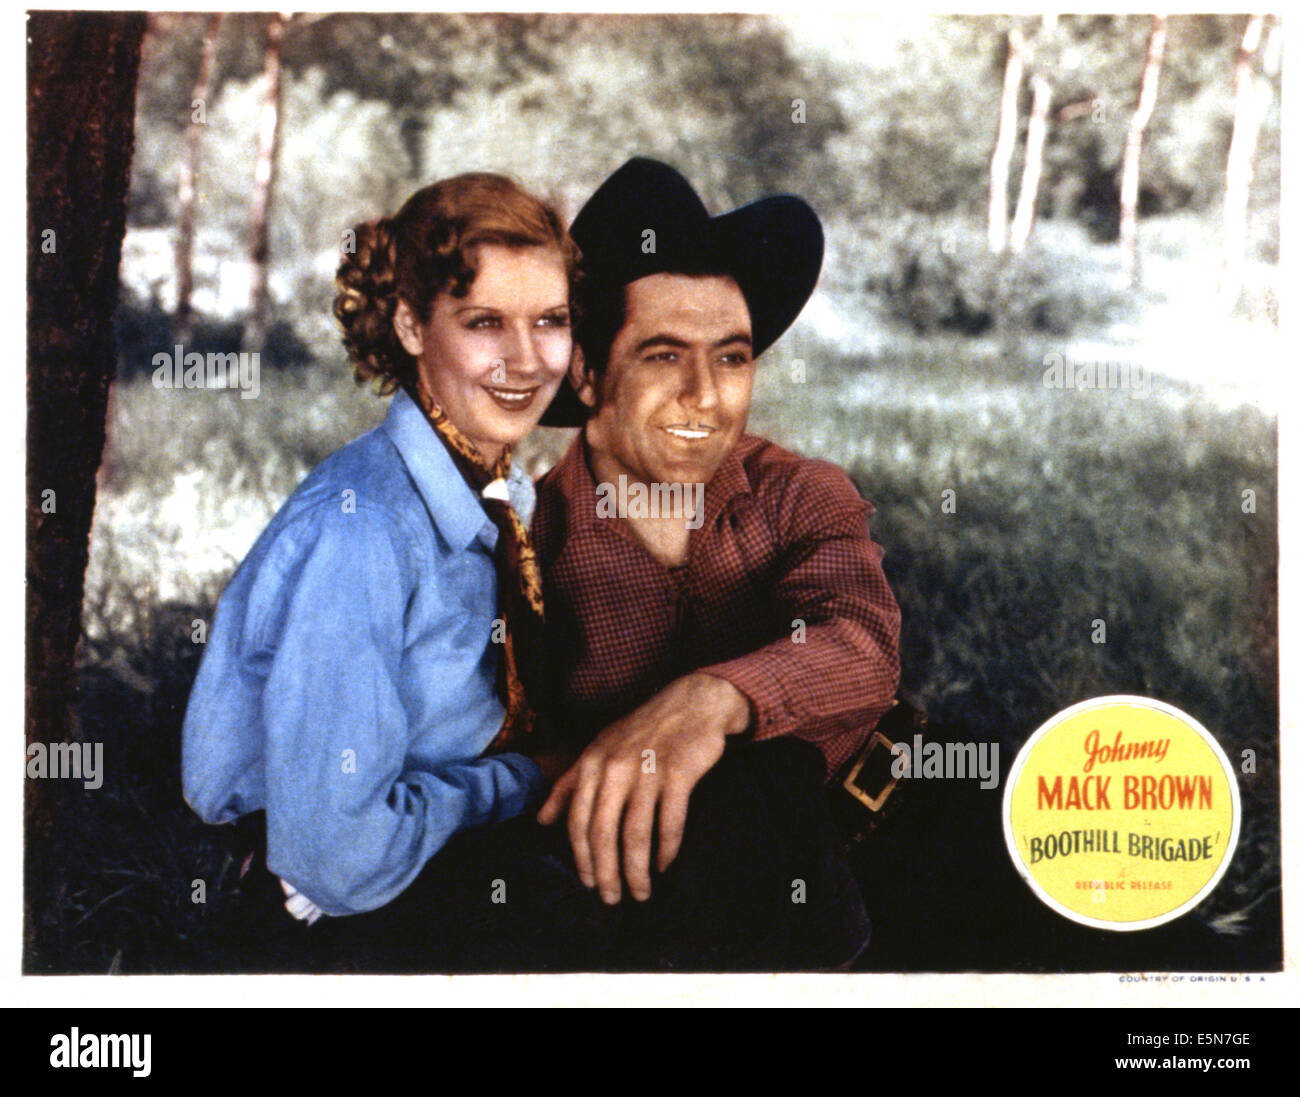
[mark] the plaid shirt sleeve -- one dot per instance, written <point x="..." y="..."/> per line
<point x="832" y="678"/>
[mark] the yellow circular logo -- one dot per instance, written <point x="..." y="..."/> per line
<point x="1121" y="813"/>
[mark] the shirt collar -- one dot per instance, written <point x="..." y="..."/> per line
<point x="578" y="486"/>
<point x="451" y="502"/>
<point x="729" y="483"/>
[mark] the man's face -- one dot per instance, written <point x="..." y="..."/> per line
<point x="674" y="396"/>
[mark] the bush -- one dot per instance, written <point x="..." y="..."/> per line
<point x="938" y="274"/>
<point x="146" y="328"/>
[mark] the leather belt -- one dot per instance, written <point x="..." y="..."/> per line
<point x="864" y="793"/>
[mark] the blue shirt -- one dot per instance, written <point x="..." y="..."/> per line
<point x="348" y="686"/>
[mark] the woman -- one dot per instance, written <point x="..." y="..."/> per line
<point x="365" y="679"/>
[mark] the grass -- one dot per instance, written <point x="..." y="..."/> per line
<point x="1071" y="507"/>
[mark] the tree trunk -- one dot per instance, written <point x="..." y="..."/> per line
<point x="268" y="148"/>
<point x="1000" y="167"/>
<point x="82" y="71"/>
<point x="1247" y="115"/>
<point x="189" y="172"/>
<point x="1035" y="140"/>
<point x="1129" y="174"/>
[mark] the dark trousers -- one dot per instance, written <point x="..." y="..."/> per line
<point x="761" y="884"/>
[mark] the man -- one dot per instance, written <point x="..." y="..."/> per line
<point x="699" y="652"/>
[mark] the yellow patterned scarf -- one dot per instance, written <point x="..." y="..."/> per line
<point x="519" y="580"/>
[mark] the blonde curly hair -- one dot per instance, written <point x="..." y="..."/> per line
<point x="426" y="248"/>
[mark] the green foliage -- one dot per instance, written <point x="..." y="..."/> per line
<point x="937" y="274"/>
<point x="900" y="119"/>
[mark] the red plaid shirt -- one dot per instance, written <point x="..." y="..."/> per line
<point x="784" y="540"/>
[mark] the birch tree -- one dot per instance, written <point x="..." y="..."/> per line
<point x="264" y="172"/>
<point x="188" y="182"/>
<point x="1129" y="175"/>
<point x="1035" y="139"/>
<point x="1250" y="98"/>
<point x="1004" y="148"/>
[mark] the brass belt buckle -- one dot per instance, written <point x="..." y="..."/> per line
<point x="868" y="787"/>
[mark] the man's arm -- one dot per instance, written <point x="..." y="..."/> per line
<point x="828" y="682"/>
<point x="836" y="671"/>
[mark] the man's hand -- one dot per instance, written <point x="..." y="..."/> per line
<point x="645" y="764"/>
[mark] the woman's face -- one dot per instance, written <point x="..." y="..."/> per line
<point x="494" y="358"/>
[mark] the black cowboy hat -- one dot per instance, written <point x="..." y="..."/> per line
<point x="772" y="248"/>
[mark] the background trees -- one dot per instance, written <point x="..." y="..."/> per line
<point x="898" y="133"/>
<point x="912" y="137"/>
